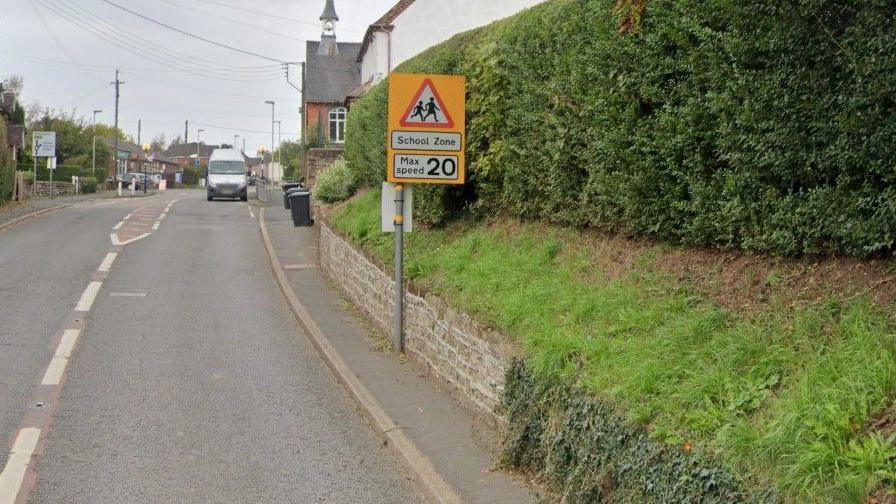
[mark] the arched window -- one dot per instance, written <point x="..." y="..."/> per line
<point x="337" y="125"/>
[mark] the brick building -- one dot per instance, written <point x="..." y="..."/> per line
<point x="329" y="79"/>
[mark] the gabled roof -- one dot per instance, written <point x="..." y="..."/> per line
<point x="328" y="79"/>
<point x="394" y="12"/>
<point x="189" y="149"/>
<point x="383" y="24"/>
<point x="130" y="148"/>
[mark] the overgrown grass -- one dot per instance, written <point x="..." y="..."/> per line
<point x="782" y="396"/>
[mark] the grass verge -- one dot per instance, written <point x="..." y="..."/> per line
<point x="782" y="396"/>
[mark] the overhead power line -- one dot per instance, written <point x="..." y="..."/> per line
<point x="261" y="29"/>
<point x="272" y="16"/>
<point x="142" y="47"/>
<point x="259" y="132"/>
<point x="188" y="34"/>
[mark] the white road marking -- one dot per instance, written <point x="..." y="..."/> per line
<point x="128" y="294"/>
<point x="89" y="296"/>
<point x="132" y="240"/>
<point x="67" y="343"/>
<point x="251" y="213"/>
<point x="57" y="366"/>
<point x="114" y="238"/>
<point x="107" y="262"/>
<point x="118" y="226"/>
<point x="14" y="474"/>
<point x="155" y="227"/>
<point x="128" y="216"/>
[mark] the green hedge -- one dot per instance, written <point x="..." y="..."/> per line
<point x="761" y="125"/>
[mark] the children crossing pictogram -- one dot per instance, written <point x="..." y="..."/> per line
<point x="427" y="109"/>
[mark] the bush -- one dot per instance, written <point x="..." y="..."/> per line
<point x="735" y="124"/>
<point x="336" y="183"/>
<point x="192" y="175"/>
<point x="7" y="168"/>
<point x="88" y="185"/>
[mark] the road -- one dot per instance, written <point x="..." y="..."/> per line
<point x="180" y="375"/>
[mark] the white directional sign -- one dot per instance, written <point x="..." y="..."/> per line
<point x="44" y="144"/>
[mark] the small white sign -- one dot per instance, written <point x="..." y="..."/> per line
<point x="44" y="144"/>
<point x="426" y="141"/>
<point x="51" y="163"/>
<point x="387" y="208"/>
<point x="425" y="166"/>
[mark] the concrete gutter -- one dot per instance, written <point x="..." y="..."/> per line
<point x="427" y="478"/>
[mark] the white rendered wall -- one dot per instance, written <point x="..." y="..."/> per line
<point x="430" y="22"/>
<point x="376" y="59"/>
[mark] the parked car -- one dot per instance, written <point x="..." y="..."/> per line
<point x="128" y="178"/>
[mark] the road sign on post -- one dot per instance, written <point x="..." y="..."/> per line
<point x="427" y="127"/>
<point x="44" y="144"/>
<point x="427" y="122"/>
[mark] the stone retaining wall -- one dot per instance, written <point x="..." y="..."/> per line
<point x="468" y="356"/>
<point x="42" y="188"/>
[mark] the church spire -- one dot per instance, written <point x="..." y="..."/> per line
<point x="328" y="44"/>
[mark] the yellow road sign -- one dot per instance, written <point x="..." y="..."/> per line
<point x="427" y="126"/>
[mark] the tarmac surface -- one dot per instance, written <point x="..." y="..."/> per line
<point x="191" y="380"/>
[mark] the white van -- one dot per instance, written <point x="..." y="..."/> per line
<point x="227" y="175"/>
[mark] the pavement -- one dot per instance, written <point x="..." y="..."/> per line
<point x="456" y="442"/>
<point x="154" y="359"/>
<point x="14" y="210"/>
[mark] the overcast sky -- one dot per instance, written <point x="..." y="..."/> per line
<point x="170" y="77"/>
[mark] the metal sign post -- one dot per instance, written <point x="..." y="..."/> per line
<point x="427" y="126"/>
<point x="398" y="327"/>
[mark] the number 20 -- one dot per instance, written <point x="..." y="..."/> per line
<point x="447" y="167"/>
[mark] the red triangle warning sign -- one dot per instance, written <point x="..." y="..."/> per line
<point x="427" y="109"/>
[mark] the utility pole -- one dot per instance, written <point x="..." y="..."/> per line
<point x="186" y="132"/>
<point x="139" y="130"/>
<point x="270" y="171"/>
<point x="117" y="84"/>
<point x="95" y="112"/>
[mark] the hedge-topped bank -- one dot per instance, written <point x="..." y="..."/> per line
<point x="763" y="125"/>
<point x="638" y="386"/>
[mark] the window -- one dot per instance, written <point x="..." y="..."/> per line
<point x="337" y="125"/>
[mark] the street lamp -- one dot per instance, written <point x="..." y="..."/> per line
<point x="262" y="150"/>
<point x="198" y="135"/>
<point x="95" y="112"/>
<point x="146" y="148"/>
